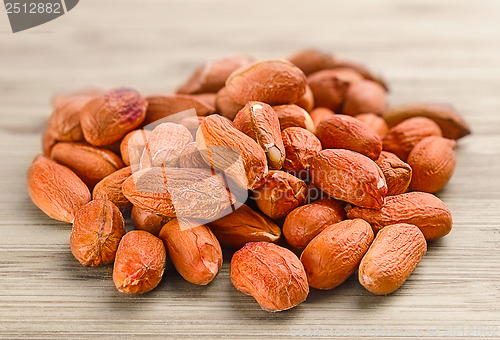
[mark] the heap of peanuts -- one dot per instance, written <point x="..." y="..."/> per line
<point x="302" y="152"/>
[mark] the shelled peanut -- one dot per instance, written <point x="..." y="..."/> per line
<point x="307" y="148"/>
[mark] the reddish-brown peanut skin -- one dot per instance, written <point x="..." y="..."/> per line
<point x="349" y="176"/>
<point x="332" y="256"/>
<point x="244" y="225"/>
<point x="55" y="189"/>
<point x="91" y="164"/>
<point x="345" y="132"/>
<point x="319" y="114"/>
<point x="392" y="257"/>
<point x="329" y="89"/>
<point x="110" y="188"/>
<point x="273" y="275"/>
<point x="300" y="146"/>
<point x="374" y="121"/>
<point x="311" y="60"/>
<point x="424" y="210"/>
<point x="402" y="138"/>
<point x="363" y="97"/>
<point x="280" y="194"/>
<point x="303" y="223"/>
<point x="132" y="146"/>
<point x="193" y="249"/>
<point x="96" y="233"/>
<point x="139" y="263"/>
<point x="294" y="115"/>
<point x="148" y="221"/>
<point x="433" y="161"/>
<point x="307" y="100"/>
<point x="110" y="115"/>
<point x="446" y="116"/>
<point x="396" y="172"/>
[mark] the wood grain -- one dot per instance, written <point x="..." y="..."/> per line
<point x="444" y="51"/>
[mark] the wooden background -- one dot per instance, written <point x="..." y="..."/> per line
<point x="446" y="51"/>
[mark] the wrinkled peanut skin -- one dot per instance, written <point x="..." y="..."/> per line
<point x="108" y="116"/>
<point x="433" y="162"/>
<point x="193" y="249"/>
<point x="280" y="194"/>
<point x="397" y="173"/>
<point x="139" y="262"/>
<point x="96" y="233"/>
<point x="90" y="163"/>
<point x="424" y="210"/>
<point x="402" y="138"/>
<point x="329" y="89"/>
<point x="273" y="275"/>
<point x="349" y="176"/>
<point x="148" y="221"/>
<point x="332" y="256"/>
<point x="190" y="157"/>
<point x="272" y="81"/>
<point x="303" y="223"/>
<point x="346" y="132"/>
<point x="301" y="146"/>
<point x="260" y="122"/>
<point x="392" y="257"/>
<point x="294" y="115"/>
<point x="55" y="189"/>
<point x="179" y="192"/>
<point x="244" y="225"/>
<point x="452" y="124"/>
<point x="110" y="187"/>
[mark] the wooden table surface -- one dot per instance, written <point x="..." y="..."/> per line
<point x="444" y="51"/>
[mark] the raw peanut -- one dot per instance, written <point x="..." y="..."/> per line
<point x="332" y="256"/>
<point x="280" y="194"/>
<point x="424" y="210"/>
<point x="178" y="192"/>
<point x="303" y="223"/>
<point x="211" y="77"/>
<point x="319" y="114"/>
<point x="361" y="69"/>
<point x="272" y="81"/>
<point x="300" y="146"/>
<point x="314" y="194"/>
<point x="133" y="145"/>
<point x="363" y="97"/>
<point x="273" y="275"/>
<point x="65" y="119"/>
<point x="165" y="145"/>
<point x="293" y="115"/>
<point x="148" y="221"/>
<point x="392" y="257"/>
<point x="190" y="157"/>
<point x="193" y="249"/>
<point x="244" y="225"/>
<point x="349" y="176"/>
<point x="396" y="172"/>
<point x="226" y="106"/>
<point x="227" y="149"/>
<point x="307" y="100"/>
<point x="48" y="141"/>
<point x="96" y="233"/>
<point x="110" y="188"/>
<point x="374" y="121"/>
<point x="401" y="138"/>
<point x="91" y="164"/>
<point x="328" y="88"/>
<point x="259" y="121"/>
<point x="207" y="98"/>
<point x="55" y="189"/>
<point x="139" y="263"/>
<point x="345" y="132"/>
<point x="311" y="60"/>
<point x="452" y="124"/>
<point x="433" y="161"/>
<point x="110" y="115"/>
<point x="160" y="106"/>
